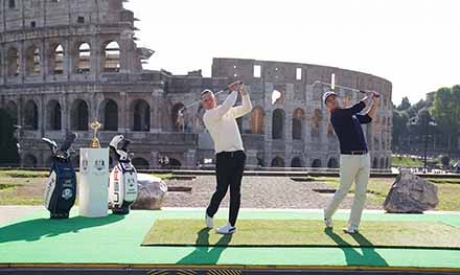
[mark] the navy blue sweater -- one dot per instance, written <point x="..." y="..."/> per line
<point x="347" y="125"/>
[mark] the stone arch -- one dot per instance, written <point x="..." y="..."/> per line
<point x="79" y="115"/>
<point x="30" y="115"/>
<point x="111" y="57"/>
<point x="57" y="59"/>
<point x="375" y="163"/>
<point x="83" y="58"/>
<point x="12" y="110"/>
<point x="140" y="163"/>
<point x="12" y="58"/>
<point x="316" y="163"/>
<point x="173" y="164"/>
<point x="278" y="162"/>
<point x="108" y="115"/>
<point x="333" y="163"/>
<point x="53" y="115"/>
<point x="297" y="162"/>
<point x="178" y="117"/>
<point x="33" y="60"/>
<point x="297" y="122"/>
<point x="141" y="116"/>
<point x="278" y="124"/>
<point x="316" y="123"/>
<point x="30" y="160"/>
<point x="257" y="120"/>
<point x="382" y="163"/>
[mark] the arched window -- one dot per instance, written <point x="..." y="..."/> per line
<point x="277" y="162"/>
<point x="316" y="163"/>
<point x="375" y="163"/>
<point x="173" y="164"/>
<point x="112" y="58"/>
<point x="108" y="114"/>
<point x="382" y="163"/>
<point x="33" y="60"/>
<point x="84" y="58"/>
<point x="296" y="162"/>
<point x="140" y="163"/>
<point x="29" y="161"/>
<point x="31" y="115"/>
<point x="12" y="110"/>
<point x="178" y="118"/>
<point x="58" y="60"/>
<point x="297" y="121"/>
<point x="79" y="117"/>
<point x="257" y="121"/>
<point x="13" y="62"/>
<point x="316" y="123"/>
<point x="278" y="124"/>
<point x="333" y="163"/>
<point x="141" y="116"/>
<point x="54" y="116"/>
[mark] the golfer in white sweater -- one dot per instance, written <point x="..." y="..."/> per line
<point x="230" y="157"/>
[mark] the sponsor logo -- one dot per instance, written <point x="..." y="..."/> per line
<point x="99" y="164"/>
<point x="67" y="193"/>
<point x="84" y="165"/>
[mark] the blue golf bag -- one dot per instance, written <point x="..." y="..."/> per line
<point x="61" y="187"/>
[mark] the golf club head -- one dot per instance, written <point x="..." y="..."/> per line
<point x="52" y="144"/>
<point x="124" y="144"/>
<point x="68" y="142"/>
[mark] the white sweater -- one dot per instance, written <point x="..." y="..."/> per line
<point x="221" y="123"/>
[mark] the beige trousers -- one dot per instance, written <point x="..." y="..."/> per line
<point x="353" y="168"/>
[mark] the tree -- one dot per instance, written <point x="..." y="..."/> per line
<point x="446" y="110"/>
<point x="404" y="105"/>
<point x="400" y="130"/>
<point x="9" y="155"/>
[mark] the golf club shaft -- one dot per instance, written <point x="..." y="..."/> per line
<point x="343" y="87"/>
<point x="226" y="89"/>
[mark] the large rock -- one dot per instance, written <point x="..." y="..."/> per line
<point x="411" y="194"/>
<point x="151" y="192"/>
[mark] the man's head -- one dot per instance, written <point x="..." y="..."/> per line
<point x="208" y="100"/>
<point x="331" y="100"/>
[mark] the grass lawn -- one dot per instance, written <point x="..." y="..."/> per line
<point x="397" y="161"/>
<point x="448" y="191"/>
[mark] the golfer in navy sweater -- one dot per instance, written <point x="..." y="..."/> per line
<point x="354" y="155"/>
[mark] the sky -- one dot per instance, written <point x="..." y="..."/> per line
<point x="415" y="44"/>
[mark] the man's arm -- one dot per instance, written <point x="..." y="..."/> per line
<point x="221" y="110"/>
<point x="246" y="105"/>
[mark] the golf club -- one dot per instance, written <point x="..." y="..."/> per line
<point x="333" y="85"/>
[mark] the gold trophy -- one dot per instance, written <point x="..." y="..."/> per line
<point x="95" y="125"/>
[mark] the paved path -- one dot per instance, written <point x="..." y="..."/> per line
<point x="14" y="212"/>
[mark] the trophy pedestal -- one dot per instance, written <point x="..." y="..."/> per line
<point x="94" y="179"/>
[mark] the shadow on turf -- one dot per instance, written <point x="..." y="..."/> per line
<point x="32" y="230"/>
<point x="368" y="257"/>
<point x="204" y="254"/>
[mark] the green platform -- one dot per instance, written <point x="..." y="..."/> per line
<point x="117" y="240"/>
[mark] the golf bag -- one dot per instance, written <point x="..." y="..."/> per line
<point x="61" y="187"/>
<point x="123" y="177"/>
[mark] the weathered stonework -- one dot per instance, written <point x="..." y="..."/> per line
<point x="65" y="62"/>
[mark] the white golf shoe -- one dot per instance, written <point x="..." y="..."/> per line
<point x="352" y="229"/>
<point x="226" y="229"/>
<point x="209" y="221"/>
<point x="328" y="223"/>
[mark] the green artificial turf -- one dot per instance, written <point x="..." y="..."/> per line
<point x="279" y="233"/>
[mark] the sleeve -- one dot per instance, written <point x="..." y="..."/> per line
<point x="245" y="107"/>
<point x="221" y="110"/>
<point x="357" y="108"/>
<point x="364" y="119"/>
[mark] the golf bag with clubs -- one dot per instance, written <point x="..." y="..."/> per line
<point x="61" y="187"/>
<point x="123" y="177"/>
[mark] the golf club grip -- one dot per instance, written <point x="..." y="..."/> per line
<point x="227" y="88"/>
<point x="364" y="92"/>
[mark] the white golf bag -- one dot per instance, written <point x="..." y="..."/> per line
<point x="61" y="186"/>
<point x="123" y="177"/>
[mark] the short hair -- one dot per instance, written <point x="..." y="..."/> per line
<point x="206" y="91"/>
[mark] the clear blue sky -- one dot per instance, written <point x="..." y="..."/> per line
<point x="413" y="43"/>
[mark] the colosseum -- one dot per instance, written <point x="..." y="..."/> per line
<point x="64" y="63"/>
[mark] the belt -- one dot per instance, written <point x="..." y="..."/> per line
<point x="230" y="154"/>
<point x="362" y="152"/>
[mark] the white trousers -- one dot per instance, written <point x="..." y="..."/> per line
<point x="353" y="168"/>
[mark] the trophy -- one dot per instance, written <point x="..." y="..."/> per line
<point x="95" y="125"/>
